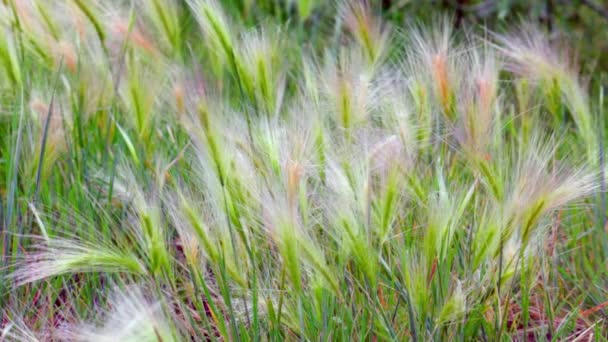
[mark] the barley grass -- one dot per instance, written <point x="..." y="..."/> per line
<point x="176" y="171"/>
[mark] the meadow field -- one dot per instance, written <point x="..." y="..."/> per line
<point x="201" y="170"/>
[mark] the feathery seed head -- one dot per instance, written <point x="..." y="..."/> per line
<point x="216" y="28"/>
<point x="260" y="68"/>
<point x="131" y="318"/>
<point x="370" y="32"/>
<point x="435" y="51"/>
<point x="67" y="256"/>
<point x="478" y="101"/>
<point x="533" y="56"/>
<point x="539" y="188"/>
<point x="349" y="88"/>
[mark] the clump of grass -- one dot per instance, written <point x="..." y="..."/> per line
<point x="226" y="183"/>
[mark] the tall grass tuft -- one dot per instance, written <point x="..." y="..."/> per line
<point x="191" y="171"/>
